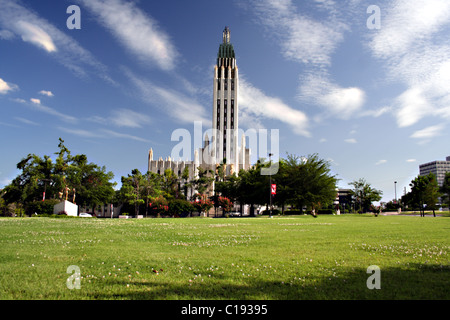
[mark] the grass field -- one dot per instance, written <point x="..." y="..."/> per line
<point x="287" y="258"/>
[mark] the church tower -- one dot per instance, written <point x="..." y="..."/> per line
<point x="225" y="121"/>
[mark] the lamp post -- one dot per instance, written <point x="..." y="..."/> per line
<point x="270" y="184"/>
<point x="395" y="191"/>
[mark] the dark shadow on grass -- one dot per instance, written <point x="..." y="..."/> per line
<point x="417" y="282"/>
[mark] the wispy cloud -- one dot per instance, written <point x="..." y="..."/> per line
<point x="35" y="101"/>
<point x="36" y="105"/>
<point x="123" y="118"/>
<point x="257" y="104"/>
<point x="180" y="106"/>
<point x="337" y="102"/>
<point x="26" y="121"/>
<point x="35" y="35"/>
<point x="414" y="46"/>
<point x="102" y="134"/>
<point x="351" y="140"/>
<point x="17" y="21"/>
<point x="138" y="32"/>
<point x="300" y="37"/>
<point x="6" y="87"/>
<point x="311" y="42"/>
<point x="46" y="93"/>
<point x="379" y="162"/>
<point x="124" y="136"/>
<point x="429" y="132"/>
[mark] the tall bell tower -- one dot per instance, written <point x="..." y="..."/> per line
<point x="225" y="120"/>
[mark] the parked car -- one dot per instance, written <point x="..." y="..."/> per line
<point x="85" y="215"/>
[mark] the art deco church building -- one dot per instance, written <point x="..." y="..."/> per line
<point x="225" y="124"/>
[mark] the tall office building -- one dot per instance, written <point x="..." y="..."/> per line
<point x="438" y="168"/>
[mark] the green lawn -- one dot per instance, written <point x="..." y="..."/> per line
<point x="296" y="257"/>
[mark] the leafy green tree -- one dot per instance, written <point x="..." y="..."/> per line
<point x="204" y="180"/>
<point x="179" y="207"/>
<point x="425" y="193"/>
<point x="253" y="187"/>
<point x="131" y="189"/>
<point x="151" y="187"/>
<point x="445" y="189"/>
<point x="305" y="181"/>
<point x="364" y="194"/>
<point x="40" y="174"/>
<point x="89" y="182"/>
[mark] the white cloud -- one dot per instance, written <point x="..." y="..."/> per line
<point x="411" y="160"/>
<point x="429" y="132"/>
<point x="408" y="24"/>
<point x="301" y="38"/>
<point x="46" y="93"/>
<point x="35" y="101"/>
<point x="351" y="140"/>
<point x="412" y="106"/>
<point x="6" y="87"/>
<point x="116" y="134"/>
<point x="26" y="121"/>
<point x="339" y="102"/>
<point x="177" y="105"/>
<point x="380" y="162"/>
<point x="17" y="20"/>
<point x="102" y="134"/>
<point x="129" y="118"/>
<point x="35" y="35"/>
<point x="256" y="104"/>
<point x="414" y="46"/>
<point x="38" y="106"/>
<point x="138" y="32"/>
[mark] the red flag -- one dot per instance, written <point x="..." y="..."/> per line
<point x="274" y="189"/>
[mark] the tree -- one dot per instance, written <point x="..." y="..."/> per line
<point x="425" y="193"/>
<point x="253" y="187"/>
<point x="225" y="203"/>
<point x="179" y="207"/>
<point x="88" y="181"/>
<point x="151" y="184"/>
<point x="364" y="194"/>
<point x="202" y="204"/>
<point x="445" y="189"/>
<point x="131" y="189"/>
<point x="305" y="181"/>
<point x="204" y="180"/>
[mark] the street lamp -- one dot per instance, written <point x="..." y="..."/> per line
<point x="395" y="191"/>
<point x="270" y="183"/>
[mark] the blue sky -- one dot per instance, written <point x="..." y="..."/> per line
<point x="373" y="102"/>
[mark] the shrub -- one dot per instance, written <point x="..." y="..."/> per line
<point x="180" y="207"/>
<point x="41" y="207"/>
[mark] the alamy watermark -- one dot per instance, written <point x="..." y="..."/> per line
<point x="74" y="21"/>
<point x="374" y="20"/>
<point x="374" y="281"/>
<point x="74" y="281"/>
<point x="258" y="141"/>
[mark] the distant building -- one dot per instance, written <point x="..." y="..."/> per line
<point x="438" y="168"/>
<point x="225" y="124"/>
